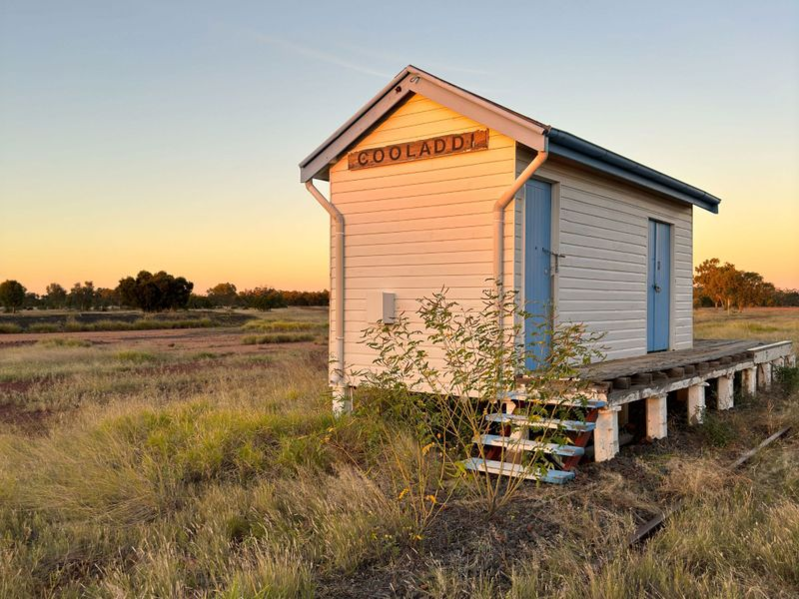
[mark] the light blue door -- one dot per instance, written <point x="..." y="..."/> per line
<point x="659" y="286"/>
<point x="537" y="269"/>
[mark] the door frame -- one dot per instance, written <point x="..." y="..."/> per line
<point x="666" y="220"/>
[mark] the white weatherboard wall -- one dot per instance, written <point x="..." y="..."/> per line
<point x="601" y="225"/>
<point x="412" y="228"/>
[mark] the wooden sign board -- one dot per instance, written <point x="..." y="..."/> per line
<point x="433" y="147"/>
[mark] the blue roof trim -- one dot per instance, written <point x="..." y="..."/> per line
<point x="584" y="152"/>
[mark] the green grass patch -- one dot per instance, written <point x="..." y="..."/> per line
<point x="43" y="327"/>
<point x="61" y="342"/>
<point x="135" y="356"/>
<point x="199" y="442"/>
<point x="716" y="430"/>
<point x="282" y="326"/>
<point x="45" y="321"/>
<point x="277" y="338"/>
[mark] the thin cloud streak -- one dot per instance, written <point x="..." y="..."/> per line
<point x="318" y="54"/>
<point x="403" y="61"/>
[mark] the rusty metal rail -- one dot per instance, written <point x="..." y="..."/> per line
<point x="647" y="529"/>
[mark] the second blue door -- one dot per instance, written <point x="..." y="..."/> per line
<point x="537" y="268"/>
<point x="659" y="287"/>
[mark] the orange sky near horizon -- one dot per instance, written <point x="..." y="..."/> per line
<point x="292" y="253"/>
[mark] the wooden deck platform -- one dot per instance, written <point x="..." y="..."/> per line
<point x="629" y="379"/>
<point x="633" y="396"/>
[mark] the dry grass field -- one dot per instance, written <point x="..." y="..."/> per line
<point x="197" y="463"/>
<point x="767" y="324"/>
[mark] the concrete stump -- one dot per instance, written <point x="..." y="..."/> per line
<point x="764" y="375"/>
<point x="725" y="392"/>
<point x="656" y="416"/>
<point x="606" y="434"/>
<point x="696" y="403"/>
<point x="749" y="378"/>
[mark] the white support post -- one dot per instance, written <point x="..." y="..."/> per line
<point x="606" y="434"/>
<point x="342" y="402"/>
<point x="724" y="392"/>
<point x="518" y="433"/>
<point x="791" y="361"/>
<point x="696" y="403"/>
<point x="656" y="416"/>
<point x="764" y="375"/>
<point x="750" y="380"/>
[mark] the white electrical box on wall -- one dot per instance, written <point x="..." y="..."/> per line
<point x="380" y="306"/>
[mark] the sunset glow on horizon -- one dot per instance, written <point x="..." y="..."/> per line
<point x="150" y="137"/>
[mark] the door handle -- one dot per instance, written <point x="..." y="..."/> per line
<point x="555" y="255"/>
<point x="656" y="287"/>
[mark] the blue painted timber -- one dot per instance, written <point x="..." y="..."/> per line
<point x="658" y="311"/>
<point x="529" y="445"/>
<point x="557" y="477"/>
<point x="537" y="269"/>
<point x="536" y="422"/>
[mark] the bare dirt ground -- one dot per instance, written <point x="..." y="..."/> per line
<point x="221" y="340"/>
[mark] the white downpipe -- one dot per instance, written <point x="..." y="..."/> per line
<point x="341" y="404"/>
<point x="499" y="216"/>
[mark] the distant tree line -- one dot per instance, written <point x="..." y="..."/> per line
<point x="153" y="293"/>
<point x="724" y="286"/>
<point x="225" y="295"/>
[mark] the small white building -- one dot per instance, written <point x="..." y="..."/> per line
<point x="432" y="185"/>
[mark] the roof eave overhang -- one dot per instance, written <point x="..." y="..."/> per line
<point x="524" y="130"/>
<point x="319" y="161"/>
<point x="412" y="81"/>
<point x="571" y="147"/>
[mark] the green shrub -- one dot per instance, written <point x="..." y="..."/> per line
<point x="482" y="354"/>
<point x="10" y="328"/>
<point x="72" y="325"/>
<point x="787" y="378"/>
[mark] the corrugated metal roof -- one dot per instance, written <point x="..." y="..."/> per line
<point x="520" y="127"/>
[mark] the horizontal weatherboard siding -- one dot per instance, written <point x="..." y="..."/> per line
<point x="414" y="227"/>
<point x="603" y="233"/>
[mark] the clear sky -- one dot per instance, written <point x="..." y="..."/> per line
<point x="166" y="135"/>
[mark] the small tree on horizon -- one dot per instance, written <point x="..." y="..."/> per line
<point x="81" y="297"/>
<point x="12" y="295"/>
<point x="727" y="287"/>
<point x="223" y="295"/>
<point x="155" y="292"/>
<point x="263" y="298"/>
<point x="55" y="296"/>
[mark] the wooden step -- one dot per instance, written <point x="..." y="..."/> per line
<point x="557" y="477"/>
<point x="581" y="440"/>
<point x="591" y="404"/>
<point x="529" y="445"/>
<point x="518" y="419"/>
